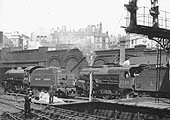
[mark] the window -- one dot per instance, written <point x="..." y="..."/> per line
<point x="132" y="41"/>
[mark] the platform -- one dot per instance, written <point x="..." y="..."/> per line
<point x="147" y="102"/>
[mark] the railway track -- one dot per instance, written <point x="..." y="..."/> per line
<point x="63" y="114"/>
<point x="8" y="109"/>
<point x="48" y="112"/>
<point x="45" y="113"/>
<point x="15" y="111"/>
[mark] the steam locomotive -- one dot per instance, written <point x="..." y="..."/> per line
<point x="118" y="82"/>
<point x="39" y="78"/>
<point x="108" y="81"/>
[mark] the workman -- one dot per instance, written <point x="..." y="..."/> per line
<point x="27" y="104"/>
<point x="51" y="93"/>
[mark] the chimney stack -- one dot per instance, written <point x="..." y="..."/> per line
<point x="122" y="50"/>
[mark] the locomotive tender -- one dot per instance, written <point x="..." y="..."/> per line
<point x="154" y="81"/>
<point x="60" y="78"/>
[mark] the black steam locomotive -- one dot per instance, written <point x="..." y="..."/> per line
<point x="108" y="81"/>
<point x="40" y="78"/>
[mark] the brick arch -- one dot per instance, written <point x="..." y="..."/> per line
<point x="100" y="61"/>
<point x="54" y="61"/>
<point x="70" y="62"/>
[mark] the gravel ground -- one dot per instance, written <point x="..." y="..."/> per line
<point x="1" y="90"/>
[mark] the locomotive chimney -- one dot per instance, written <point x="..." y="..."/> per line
<point x="122" y="50"/>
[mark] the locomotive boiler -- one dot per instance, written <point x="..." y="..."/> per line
<point x="108" y="81"/>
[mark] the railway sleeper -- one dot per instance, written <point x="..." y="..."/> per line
<point x="59" y="113"/>
<point x="10" y="116"/>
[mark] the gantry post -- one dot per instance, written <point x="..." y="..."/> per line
<point x="154" y="12"/>
<point x="132" y="8"/>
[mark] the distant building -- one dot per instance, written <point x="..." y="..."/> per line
<point x="135" y="39"/>
<point x="26" y="41"/>
<point x="113" y="42"/>
<point x="7" y="43"/>
<point x="42" y="37"/>
<point x="86" y="39"/>
<point x="15" y="38"/>
<point x="132" y="40"/>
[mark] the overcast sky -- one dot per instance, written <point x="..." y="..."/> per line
<point x="27" y="16"/>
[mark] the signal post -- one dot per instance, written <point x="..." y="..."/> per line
<point x="90" y="59"/>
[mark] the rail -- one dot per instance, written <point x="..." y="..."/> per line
<point x="19" y="116"/>
<point x="50" y="113"/>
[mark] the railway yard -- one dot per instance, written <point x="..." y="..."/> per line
<point x="12" y="109"/>
<point x="139" y="108"/>
<point x="121" y="84"/>
<point x="114" y="95"/>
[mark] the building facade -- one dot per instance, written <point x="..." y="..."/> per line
<point x="86" y="39"/>
<point x="15" y="40"/>
<point x="135" y="39"/>
<point x="90" y="38"/>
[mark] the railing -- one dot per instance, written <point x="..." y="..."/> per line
<point x="144" y="18"/>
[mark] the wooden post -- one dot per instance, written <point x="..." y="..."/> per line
<point x="91" y="87"/>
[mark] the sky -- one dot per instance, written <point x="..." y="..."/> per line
<point x="28" y="16"/>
